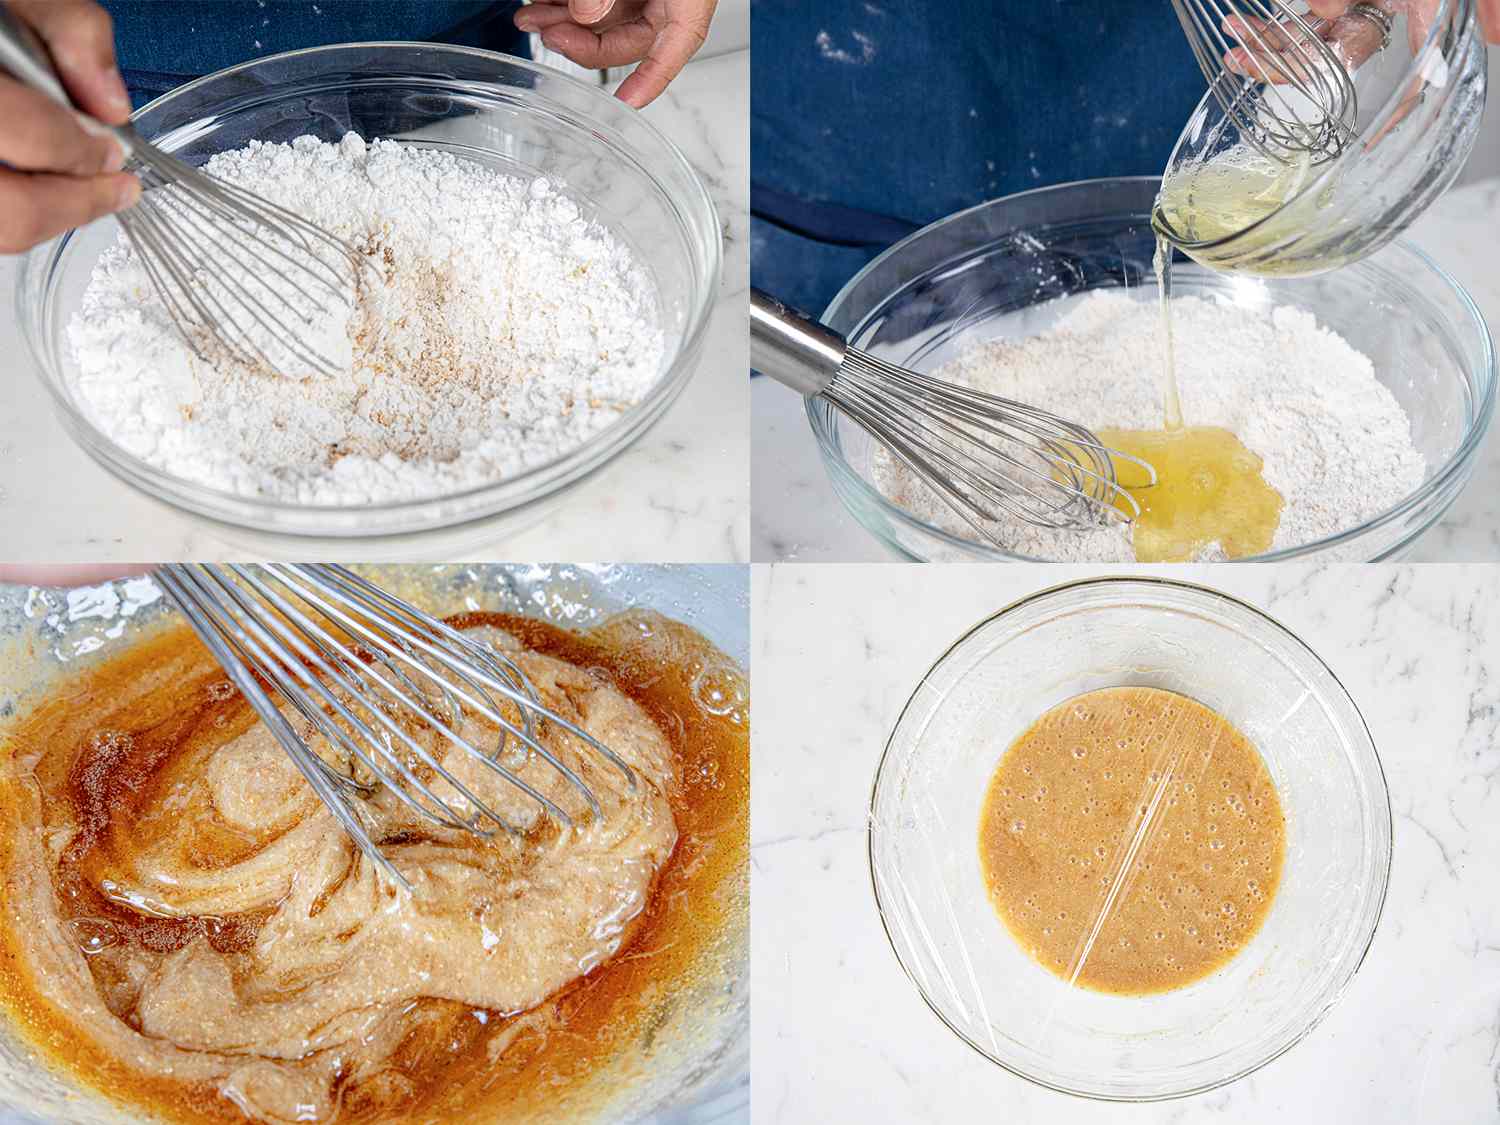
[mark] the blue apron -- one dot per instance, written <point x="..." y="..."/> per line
<point x="871" y="119"/>
<point x="163" y="43"/>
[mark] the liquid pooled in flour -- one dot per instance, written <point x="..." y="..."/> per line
<point x="1132" y="840"/>
<point x="1208" y="489"/>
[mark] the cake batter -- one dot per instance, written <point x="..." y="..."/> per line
<point x="1132" y="840"/>
<point x="185" y="927"/>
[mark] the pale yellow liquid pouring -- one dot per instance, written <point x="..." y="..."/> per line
<point x="1209" y="487"/>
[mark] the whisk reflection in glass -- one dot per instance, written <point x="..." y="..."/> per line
<point x="371" y="675"/>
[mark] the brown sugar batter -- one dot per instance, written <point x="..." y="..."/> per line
<point x="1145" y="809"/>
<point x="185" y="928"/>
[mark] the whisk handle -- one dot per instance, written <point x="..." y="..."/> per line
<point x="25" y="56"/>
<point x="791" y="348"/>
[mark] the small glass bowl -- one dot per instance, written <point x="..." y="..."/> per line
<point x="998" y="269"/>
<point x="1419" y="118"/>
<point x="506" y="113"/>
<point x="984" y="692"/>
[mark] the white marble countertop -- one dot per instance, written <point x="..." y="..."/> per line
<point x="680" y="495"/>
<point x="840" y="1033"/>
<point x="797" y="517"/>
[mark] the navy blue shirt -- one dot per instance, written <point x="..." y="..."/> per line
<point x="870" y="119"/>
<point x="163" y="43"/>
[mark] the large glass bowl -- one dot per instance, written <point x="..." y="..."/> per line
<point x="984" y="692"/>
<point x="509" y="114"/>
<point x="691" y="1069"/>
<point x="998" y="269"/>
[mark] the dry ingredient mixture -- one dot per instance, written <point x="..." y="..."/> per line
<point x="497" y="329"/>
<point x="1335" y="443"/>
<point x="1132" y="840"/>
<point x="185" y="926"/>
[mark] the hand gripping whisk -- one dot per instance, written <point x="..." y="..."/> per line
<point x="1300" y="98"/>
<point x="241" y="277"/>
<point x="367" y="671"/>
<point x="988" y="458"/>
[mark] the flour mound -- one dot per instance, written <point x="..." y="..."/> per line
<point x="1335" y="443"/>
<point x="497" y="329"/>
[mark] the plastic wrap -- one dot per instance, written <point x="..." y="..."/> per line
<point x="1050" y="1025"/>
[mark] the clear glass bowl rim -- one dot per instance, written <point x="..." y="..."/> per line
<point x="1382" y="873"/>
<point x="649" y="409"/>
<point x="1458" y="463"/>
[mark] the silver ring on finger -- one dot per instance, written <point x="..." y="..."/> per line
<point x="1376" y="15"/>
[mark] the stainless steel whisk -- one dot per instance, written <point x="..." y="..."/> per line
<point x="987" y="457"/>
<point x="365" y="669"/>
<point x="213" y="251"/>
<point x="1303" y="99"/>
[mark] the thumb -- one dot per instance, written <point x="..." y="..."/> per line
<point x="589" y="11"/>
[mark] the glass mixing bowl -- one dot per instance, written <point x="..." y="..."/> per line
<point x="509" y="114"/>
<point x="691" y="1068"/>
<point x="1420" y="105"/>
<point x="990" y="271"/>
<point x="984" y="692"/>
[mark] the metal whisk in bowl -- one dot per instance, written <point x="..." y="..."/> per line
<point x="368" y="672"/>
<point x="241" y="278"/>
<point x="1298" y="96"/>
<point x="988" y="458"/>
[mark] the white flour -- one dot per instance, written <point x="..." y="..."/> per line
<point x="501" y="329"/>
<point x="1335" y="443"/>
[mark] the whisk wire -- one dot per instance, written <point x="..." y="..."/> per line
<point x="503" y="668"/>
<point x="228" y="294"/>
<point x="355" y="586"/>
<point x="1291" y="57"/>
<point x="215" y="631"/>
<point x="364" y="677"/>
<point x="495" y="717"/>
<point x="366" y="671"/>
<point x="296" y="665"/>
<point x="946" y="474"/>
<point x="160" y="230"/>
<point x="1053" y="473"/>
<point x="1053" y="451"/>
<point x="885" y="408"/>
<point x="986" y="457"/>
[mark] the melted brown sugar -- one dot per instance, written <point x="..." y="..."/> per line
<point x="1134" y="837"/>
<point x="104" y="748"/>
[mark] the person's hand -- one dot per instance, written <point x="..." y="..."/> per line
<point x="60" y="173"/>
<point x="1420" y="14"/>
<point x="67" y="574"/>
<point x="662" y="35"/>
<point x="1354" y="38"/>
